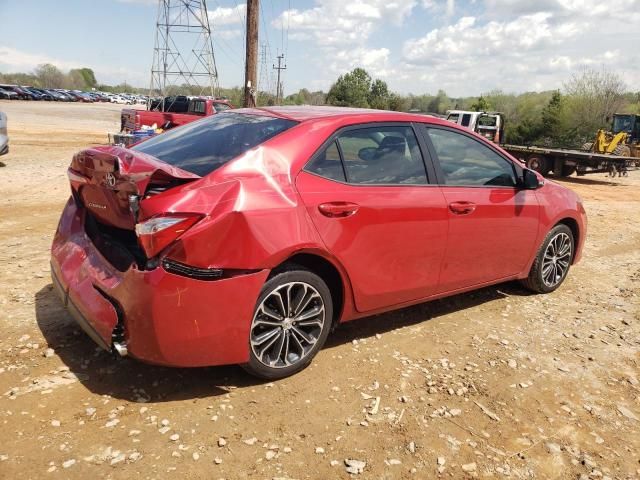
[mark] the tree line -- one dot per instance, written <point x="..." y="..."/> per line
<point x="566" y="117"/>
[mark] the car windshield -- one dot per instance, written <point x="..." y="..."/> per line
<point x="203" y="146"/>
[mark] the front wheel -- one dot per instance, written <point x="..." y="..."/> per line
<point x="290" y="323"/>
<point x="552" y="261"/>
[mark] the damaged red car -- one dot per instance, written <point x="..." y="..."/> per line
<point x="246" y="237"/>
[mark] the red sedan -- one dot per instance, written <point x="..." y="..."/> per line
<point x="246" y="236"/>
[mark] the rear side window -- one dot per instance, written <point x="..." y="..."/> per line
<point x="221" y="107"/>
<point x="382" y="155"/>
<point x="467" y="162"/>
<point x="198" y="107"/>
<point x="328" y="164"/>
<point x="385" y="155"/>
<point x="205" y="145"/>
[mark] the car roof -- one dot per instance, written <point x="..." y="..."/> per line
<point x="305" y="113"/>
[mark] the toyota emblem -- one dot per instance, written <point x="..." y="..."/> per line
<point x="110" y="179"/>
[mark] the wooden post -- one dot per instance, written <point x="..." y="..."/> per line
<point x="251" y="61"/>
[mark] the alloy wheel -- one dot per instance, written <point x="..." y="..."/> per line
<point x="287" y="324"/>
<point x="557" y="258"/>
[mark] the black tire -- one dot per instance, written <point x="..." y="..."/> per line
<point x="539" y="164"/>
<point x="567" y="170"/>
<point x="284" y="363"/>
<point x="586" y="147"/>
<point x="536" y="280"/>
<point x="622" y="151"/>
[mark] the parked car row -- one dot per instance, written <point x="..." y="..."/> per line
<point x="22" y="92"/>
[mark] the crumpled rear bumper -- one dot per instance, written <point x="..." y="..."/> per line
<point x="163" y="318"/>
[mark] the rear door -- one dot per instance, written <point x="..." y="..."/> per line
<point x="493" y="224"/>
<point x="367" y="192"/>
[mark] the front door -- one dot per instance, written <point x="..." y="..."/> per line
<point x="493" y="224"/>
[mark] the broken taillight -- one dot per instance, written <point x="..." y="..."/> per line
<point x="157" y="233"/>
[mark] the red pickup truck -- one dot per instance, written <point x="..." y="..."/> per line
<point x="177" y="112"/>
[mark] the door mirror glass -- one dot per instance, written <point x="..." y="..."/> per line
<point x="529" y="180"/>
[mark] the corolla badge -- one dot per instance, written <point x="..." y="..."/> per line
<point x="110" y="179"/>
<point x="96" y="205"/>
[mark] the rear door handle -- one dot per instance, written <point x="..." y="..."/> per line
<point x="338" y="209"/>
<point x="462" y="208"/>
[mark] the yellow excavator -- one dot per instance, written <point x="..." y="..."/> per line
<point x="623" y="139"/>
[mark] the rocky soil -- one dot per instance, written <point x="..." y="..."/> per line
<point x="498" y="383"/>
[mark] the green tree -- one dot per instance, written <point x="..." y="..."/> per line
<point x="440" y="103"/>
<point x="85" y="75"/>
<point x="351" y="89"/>
<point x="593" y="97"/>
<point x="379" y="95"/>
<point x="481" y="105"/>
<point x="398" y="103"/>
<point x="49" y="76"/>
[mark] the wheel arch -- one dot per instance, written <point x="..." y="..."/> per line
<point x="575" y="230"/>
<point x="333" y="275"/>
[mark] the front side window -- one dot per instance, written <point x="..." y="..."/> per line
<point x="382" y="155"/>
<point x="205" y="145"/>
<point x="467" y="162"/>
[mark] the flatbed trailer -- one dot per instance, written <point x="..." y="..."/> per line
<point x="564" y="162"/>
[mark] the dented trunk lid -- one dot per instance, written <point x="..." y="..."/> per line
<point x="110" y="181"/>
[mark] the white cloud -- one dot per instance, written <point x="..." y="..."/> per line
<point x="335" y="22"/>
<point x="13" y="60"/>
<point x="341" y="32"/>
<point x="228" y="16"/>
<point x="19" y="61"/>
<point x="143" y="2"/>
<point x="518" y="45"/>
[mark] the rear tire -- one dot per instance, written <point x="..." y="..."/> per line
<point x="622" y="151"/>
<point x="290" y="324"/>
<point x="567" y="170"/>
<point x="586" y="147"/>
<point x="552" y="262"/>
<point x="539" y="164"/>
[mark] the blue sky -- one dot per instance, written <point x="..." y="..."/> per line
<point x="464" y="47"/>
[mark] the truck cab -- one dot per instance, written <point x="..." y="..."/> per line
<point x="628" y="123"/>
<point x="170" y="112"/>
<point x="488" y="124"/>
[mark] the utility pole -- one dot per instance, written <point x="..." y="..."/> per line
<point x="251" y="61"/>
<point x="279" y="85"/>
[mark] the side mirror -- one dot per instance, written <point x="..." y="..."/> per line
<point x="530" y="180"/>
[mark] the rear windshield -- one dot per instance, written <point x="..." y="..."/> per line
<point x="205" y="145"/>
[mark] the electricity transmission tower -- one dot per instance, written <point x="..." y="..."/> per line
<point x="183" y="59"/>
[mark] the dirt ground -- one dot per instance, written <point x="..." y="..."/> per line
<point x="497" y="383"/>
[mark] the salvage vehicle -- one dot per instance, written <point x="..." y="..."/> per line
<point x="246" y="237"/>
<point x="4" y="136"/>
<point x="192" y="109"/>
